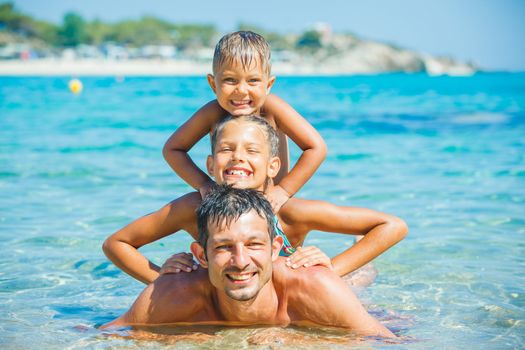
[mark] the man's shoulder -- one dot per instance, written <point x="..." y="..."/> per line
<point x="172" y="298"/>
<point x="318" y="277"/>
<point x="314" y="295"/>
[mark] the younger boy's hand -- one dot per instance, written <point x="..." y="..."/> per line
<point x="308" y="256"/>
<point x="177" y="263"/>
<point x="206" y="188"/>
<point x="277" y="197"/>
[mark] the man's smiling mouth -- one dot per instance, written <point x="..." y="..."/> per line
<point x="240" y="277"/>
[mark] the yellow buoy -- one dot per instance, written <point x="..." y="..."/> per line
<point x="75" y="86"/>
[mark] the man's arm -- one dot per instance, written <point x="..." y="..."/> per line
<point x="381" y="231"/>
<point x="122" y="246"/>
<point x="331" y="302"/>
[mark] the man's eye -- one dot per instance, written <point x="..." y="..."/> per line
<point x="255" y="244"/>
<point x="254" y="80"/>
<point x="223" y="247"/>
<point x="225" y="149"/>
<point x="253" y="150"/>
<point x="229" y="80"/>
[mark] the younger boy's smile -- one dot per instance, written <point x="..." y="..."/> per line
<point x="241" y="90"/>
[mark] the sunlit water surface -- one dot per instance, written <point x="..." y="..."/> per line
<point x="446" y="154"/>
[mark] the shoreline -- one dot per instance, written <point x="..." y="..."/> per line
<point x="159" y="67"/>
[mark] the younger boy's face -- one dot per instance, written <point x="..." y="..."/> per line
<point x="241" y="90"/>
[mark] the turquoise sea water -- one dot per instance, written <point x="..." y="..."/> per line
<point x="447" y="154"/>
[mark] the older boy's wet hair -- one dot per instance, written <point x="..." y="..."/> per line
<point x="271" y="134"/>
<point x="243" y="47"/>
<point x="225" y="204"/>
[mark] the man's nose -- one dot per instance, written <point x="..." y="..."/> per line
<point x="240" y="258"/>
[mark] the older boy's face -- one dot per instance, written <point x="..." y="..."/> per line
<point x="242" y="156"/>
<point x="241" y="90"/>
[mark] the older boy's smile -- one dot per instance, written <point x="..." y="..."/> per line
<point x="241" y="156"/>
<point x="237" y="172"/>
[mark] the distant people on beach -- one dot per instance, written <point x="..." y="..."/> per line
<point x="243" y="281"/>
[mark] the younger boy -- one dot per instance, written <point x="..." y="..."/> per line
<point x="242" y="81"/>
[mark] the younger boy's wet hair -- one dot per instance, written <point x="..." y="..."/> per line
<point x="243" y="47"/>
<point x="269" y="131"/>
<point x="225" y="204"/>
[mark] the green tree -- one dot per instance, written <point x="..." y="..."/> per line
<point x="47" y="32"/>
<point x="194" y="35"/>
<point x="73" y="30"/>
<point x="146" y="31"/>
<point x="16" y="22"/>
<point x="309" y="40"/>
<point x="98" y="32"/>
<point x="276" y="40"/>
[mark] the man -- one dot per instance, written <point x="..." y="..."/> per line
<point x="242" y="280"/>
<point x="244" y="155"/>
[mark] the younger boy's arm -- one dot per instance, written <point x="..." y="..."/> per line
<point x="304" y="135"/>
<point x="176" y="149"/>
<point x="381" y="231"/>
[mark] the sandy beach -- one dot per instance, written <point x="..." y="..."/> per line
<point x="94" y="67"/>
<point x="152" y="67"/>
<point x="164" y="67"/>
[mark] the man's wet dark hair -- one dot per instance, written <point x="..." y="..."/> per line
<point x="225" y="204"/>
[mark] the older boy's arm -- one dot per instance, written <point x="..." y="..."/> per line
<point x="176" y="149"/>
<point x="332" y="302"/>
<point x="122" y="246"/>
<point x="381" y="231"/>
<point x="304" y="135"/>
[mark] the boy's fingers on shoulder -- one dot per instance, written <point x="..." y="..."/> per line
<point x="169" y="270"/>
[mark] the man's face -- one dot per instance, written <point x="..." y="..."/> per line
<point x="239" y="256"/>
<point x="242" y="156"/>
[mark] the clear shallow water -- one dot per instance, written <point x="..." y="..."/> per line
<point x="446" y="154"/>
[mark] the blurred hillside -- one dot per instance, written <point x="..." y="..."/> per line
<point x="317" y="50"/>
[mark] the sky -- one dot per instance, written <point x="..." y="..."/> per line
<point x="489" y="33"/>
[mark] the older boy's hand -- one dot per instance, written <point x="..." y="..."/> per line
<point x="177" y="263"/>
<point x="277" y="196"/>
<point x="308" y="256"/>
